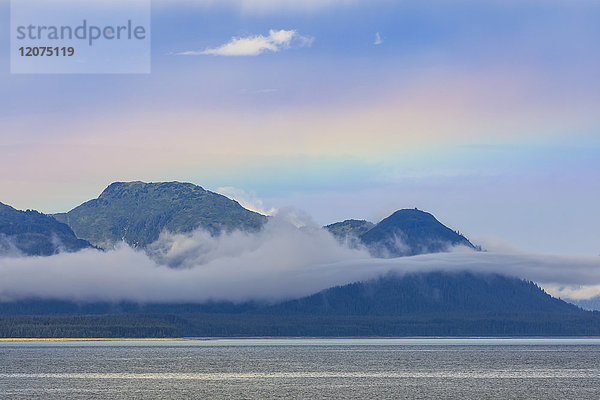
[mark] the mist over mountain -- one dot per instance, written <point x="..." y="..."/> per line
<point x="349" y="228"/>
<point x="391" y="294"/>
<point x="151" y="215"/>
<point x="34" y="234"/>
<point x="406" y="232"/>
<point x="138" y="212"/>
<point x="203" y="260"/>
<point x="427" y="304"/>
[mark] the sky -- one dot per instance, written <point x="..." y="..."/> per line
<point x="482" y="113"/>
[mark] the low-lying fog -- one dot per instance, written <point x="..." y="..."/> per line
<point x="280" y="262"/>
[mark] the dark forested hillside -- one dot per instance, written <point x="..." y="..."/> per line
<point x="32" y="233"/>
<point x="261" y="325"/>
<point x="431" y="293"/>
<point x="404" y="233"/>
<point x="411" y="232"/>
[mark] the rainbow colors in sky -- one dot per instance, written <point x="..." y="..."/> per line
<point x="484" y="113"/>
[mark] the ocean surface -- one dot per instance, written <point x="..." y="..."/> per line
<point x="302" y="369"/>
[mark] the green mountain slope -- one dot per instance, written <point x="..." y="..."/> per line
<point x="35" y="234"/>
<point x="350" y="227"/>
<point x="138" y="212"/>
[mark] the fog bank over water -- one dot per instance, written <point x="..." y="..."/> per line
<point x="280" y="262"/>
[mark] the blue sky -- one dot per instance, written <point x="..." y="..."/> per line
<point x="484" y="113"/>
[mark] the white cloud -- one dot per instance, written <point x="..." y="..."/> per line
<point x="496" y="245"/>
<point x="378" y="39"/>
<point x="247" y="200"/>
<point x="573" y="292"/>
<point x="8" y="247"/>
<point x="278" y="262"/>
<point x="276" y="41"/>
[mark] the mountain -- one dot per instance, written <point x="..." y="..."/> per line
<point x="138" y="212"/>
<point x="404" y="233"/>
<point x="35" y="234"/>
<point x="431" y="293"/>
<point x="349" y="228"/>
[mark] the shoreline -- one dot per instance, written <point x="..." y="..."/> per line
<point x="4" y="340"/>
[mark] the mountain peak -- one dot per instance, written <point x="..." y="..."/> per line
<point x="409" y="216"/>
<point x="121" y="188"/>
<point x="137" y="212"/>
<point x="410" y="232"/>
<point x="412" y="211"/>
<point x="406" y="232"/>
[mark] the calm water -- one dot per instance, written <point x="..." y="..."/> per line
<point x="303" y="369"/>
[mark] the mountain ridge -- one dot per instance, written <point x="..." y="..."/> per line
<point x="406" y="232"/>
<point x="35" y="234"/>
<point x="137" y="212"/>
<point x="429" y="293"/>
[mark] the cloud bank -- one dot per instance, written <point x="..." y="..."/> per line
<point x="280" y="262"/>
<point x="276" y="41"/>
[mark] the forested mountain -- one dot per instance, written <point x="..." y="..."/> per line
<point x="430" y="293"/>
<point x="404" y="233"/>
<point x="349" y="228"/>
<point x="35" y="234"/>
<point x="138" y="212"/>
<point x="411" y="232"/>
<point x="434" y="303"/>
